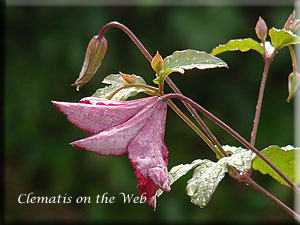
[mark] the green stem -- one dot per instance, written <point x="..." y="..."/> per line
<point x="197" y="118"/>
<point x="293" y="57"/>
<point x="194" y="127"/>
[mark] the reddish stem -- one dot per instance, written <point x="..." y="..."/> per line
<point x="256" y="186"/>
<point x="259" y="100"/>
<point x="130" y="34"/>
<point x="235" y="135"/>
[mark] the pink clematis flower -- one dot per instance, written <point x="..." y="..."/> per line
<point x="133" y="127"/>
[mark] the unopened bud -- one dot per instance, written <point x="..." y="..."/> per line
<point x="261" y="29"/>
<point x="292" y="23"/>
<point x="293" y="79"/>
<point x="93" y="57"/>
<point x="157" y="63"/>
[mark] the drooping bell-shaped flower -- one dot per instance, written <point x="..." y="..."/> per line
<point x="133" y="127"/>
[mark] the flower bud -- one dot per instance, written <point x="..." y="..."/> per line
<point x="292" y="23"/>
<point x="157" y="63"/>
<point x="261" y="29"/>
<point x="294" y="79"/>
<point x="93" y="57"/>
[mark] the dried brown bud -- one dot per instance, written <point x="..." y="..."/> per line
<point x="261" y="29"/>
<point x="292" y="23"/>
<point x="93" y="57"/>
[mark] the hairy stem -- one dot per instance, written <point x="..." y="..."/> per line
<point x="259" y="100"/>
<point x="235" y="135"/>
<point x="251" y="182"/>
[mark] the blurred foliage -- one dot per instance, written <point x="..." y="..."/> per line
<point x="44" y="52"/>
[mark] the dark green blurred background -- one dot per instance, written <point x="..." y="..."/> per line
<point x="44" y="51"/>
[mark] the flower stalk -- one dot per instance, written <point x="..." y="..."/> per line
<point x="275" y="200"/>
<point x="259" y="100"/>
<point x="135" y="40"/>
<point x="194" y="127"/>
<point x="293" y="57"/>
<point x="234" y="134"/>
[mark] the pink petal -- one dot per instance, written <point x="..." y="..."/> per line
<point x="134" y="127"/>
<point x="147" y="188"/>
<point x="115" y="140"/>
<point x="148" y="153"/>
<point x="95" y="114"/>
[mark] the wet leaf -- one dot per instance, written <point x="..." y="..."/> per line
<point x="285" y="158"/>
<point x="205" y="180"/>
<point x="208" y="174"/>
<point x="116" y="81"/>
<point x="240" y="158"/>
<point x="281" y="38"/>
<point x="242" y="45"/>
<point x="188" y="59"/>
<point x="180" y="170"/>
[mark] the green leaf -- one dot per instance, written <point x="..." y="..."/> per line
<point x="207" y="176"/>
<point x="282" y="37"/>
<point x="205" y="180"/>
<point x="180" y="170"/>
<point x="242" y="45"/>
<point x="187" y="60"/>
<point x="116" y="81"/>
<point x="285" y="158"/>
